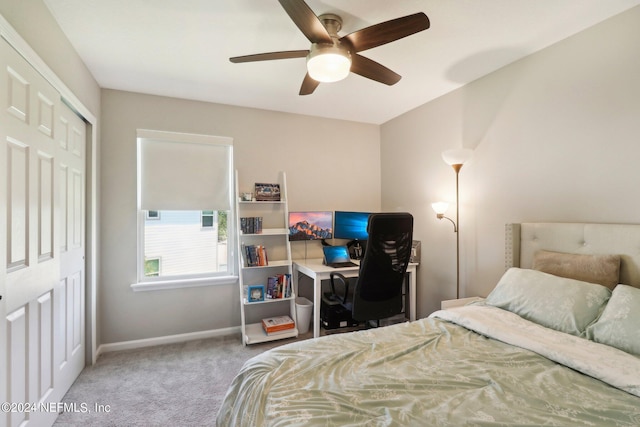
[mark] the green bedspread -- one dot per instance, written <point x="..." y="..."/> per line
<point x="433" y="372"/>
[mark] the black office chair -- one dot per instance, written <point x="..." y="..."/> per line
<point x="378" y="288"/>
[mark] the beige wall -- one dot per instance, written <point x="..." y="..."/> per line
<point x="33" y="21"/>
<point x="556" y="138"/>
<point x="330" y="165"/>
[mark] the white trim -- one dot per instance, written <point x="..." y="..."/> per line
<point x="22" y="47"/>
<point x="183" y="283"/>
<point x="169" y="339"/>
<point x="183" y="137"/>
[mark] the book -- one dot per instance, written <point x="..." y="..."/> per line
<point x="251" y="225"/>
<point x="282" y="332"/>
<point x="279" y="286"/>
<point x="286" y="278"/>
<point x="277" y="324"/>
<point x="272" y="283"/>
<point x="256" y="255"/>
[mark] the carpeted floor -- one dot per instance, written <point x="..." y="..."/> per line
<point x="171" y="385"/>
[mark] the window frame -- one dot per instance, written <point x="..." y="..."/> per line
<point x="151" y="283"/>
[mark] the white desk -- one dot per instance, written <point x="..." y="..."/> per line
<point x="316" y="270"/>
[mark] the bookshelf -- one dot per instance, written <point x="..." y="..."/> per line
<point x="272" y="237"/>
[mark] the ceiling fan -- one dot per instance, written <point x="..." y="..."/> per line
<point x="331" y="57"/>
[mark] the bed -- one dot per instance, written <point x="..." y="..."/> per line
<point x="557" y="342"/>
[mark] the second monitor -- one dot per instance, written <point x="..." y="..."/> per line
<point x="353" y="227"/>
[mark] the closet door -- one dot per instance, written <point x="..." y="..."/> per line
<point x="36" y="305"/>
<point x="69" y="292"/>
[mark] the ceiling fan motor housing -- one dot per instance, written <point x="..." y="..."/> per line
<point x="332" y="22"/>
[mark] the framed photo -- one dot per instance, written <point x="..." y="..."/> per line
<point x="267" y="192"/>
<point x="255" y="293"/>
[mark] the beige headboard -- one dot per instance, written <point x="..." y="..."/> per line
<point x="523" y="240"/>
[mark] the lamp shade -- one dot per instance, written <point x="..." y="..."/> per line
<point x="328" y="64"/>
<point x="440" y="207"/>
<point x="457" y="156"/>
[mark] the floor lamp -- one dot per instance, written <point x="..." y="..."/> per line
<point x="455" y="158"/>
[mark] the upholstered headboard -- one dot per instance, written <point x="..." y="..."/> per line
<point x="523" y="240"/>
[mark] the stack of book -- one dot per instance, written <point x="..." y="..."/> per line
<point x="251" y="225"/>
<point x="278" y="286"/>
<point x="278" y="325"/>
<point x="255" y="256"/>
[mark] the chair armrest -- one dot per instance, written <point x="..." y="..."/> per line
<point x="343" y="280"/>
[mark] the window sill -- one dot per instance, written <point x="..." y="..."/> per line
<point x="183" y="283"/>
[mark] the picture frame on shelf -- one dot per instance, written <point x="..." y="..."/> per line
<point x="255" y="293"/>
<point x="267" y="192"/>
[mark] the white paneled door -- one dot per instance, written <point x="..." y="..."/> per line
<point x="42" y="235"/>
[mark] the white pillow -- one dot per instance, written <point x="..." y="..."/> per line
<point x="559" y="303"/>
<point x="619" y="325"/>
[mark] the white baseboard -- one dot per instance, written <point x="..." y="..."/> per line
<point x="169" y="339"/>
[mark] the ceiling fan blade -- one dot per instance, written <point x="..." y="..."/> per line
<point x="308" y="85"/>
<point x="307" y="21"/>
<point x="372" y="70"/>
<point x="386" y="32"/>
<point x="270" y="56"/>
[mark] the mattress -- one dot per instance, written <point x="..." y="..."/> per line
<point x="477" y="365"/>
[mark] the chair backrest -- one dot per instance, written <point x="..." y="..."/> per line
<point x="378" y="290"/>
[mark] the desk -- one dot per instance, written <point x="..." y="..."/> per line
<point x="316" y="270"/>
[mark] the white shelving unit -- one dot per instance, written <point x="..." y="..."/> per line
<point x="275" y="238"/>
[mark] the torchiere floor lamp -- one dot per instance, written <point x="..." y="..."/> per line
<point x="455" y="158"/>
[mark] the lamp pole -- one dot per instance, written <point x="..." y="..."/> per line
<point x="457" y="168"/>
<point x="456" y="158"/>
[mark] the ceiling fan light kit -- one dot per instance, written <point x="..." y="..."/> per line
<point x="331" y="58"/>
<point x="328" y="63"/>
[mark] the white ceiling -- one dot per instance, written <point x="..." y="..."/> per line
<point x="181" y="48"/>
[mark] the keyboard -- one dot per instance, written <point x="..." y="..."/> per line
<point x="343" y="264"/>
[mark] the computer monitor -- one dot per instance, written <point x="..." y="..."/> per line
<point x="310" y="225"/>
<point x="351" y="225"/>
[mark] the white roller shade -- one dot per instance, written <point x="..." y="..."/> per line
<point x="184" y="172"/>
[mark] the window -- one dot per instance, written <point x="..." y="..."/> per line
<point x="153" y="214"/>
<point x="186" y="246"/>
<point x="207" y="218"/>
<point x="183" y="235"/>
